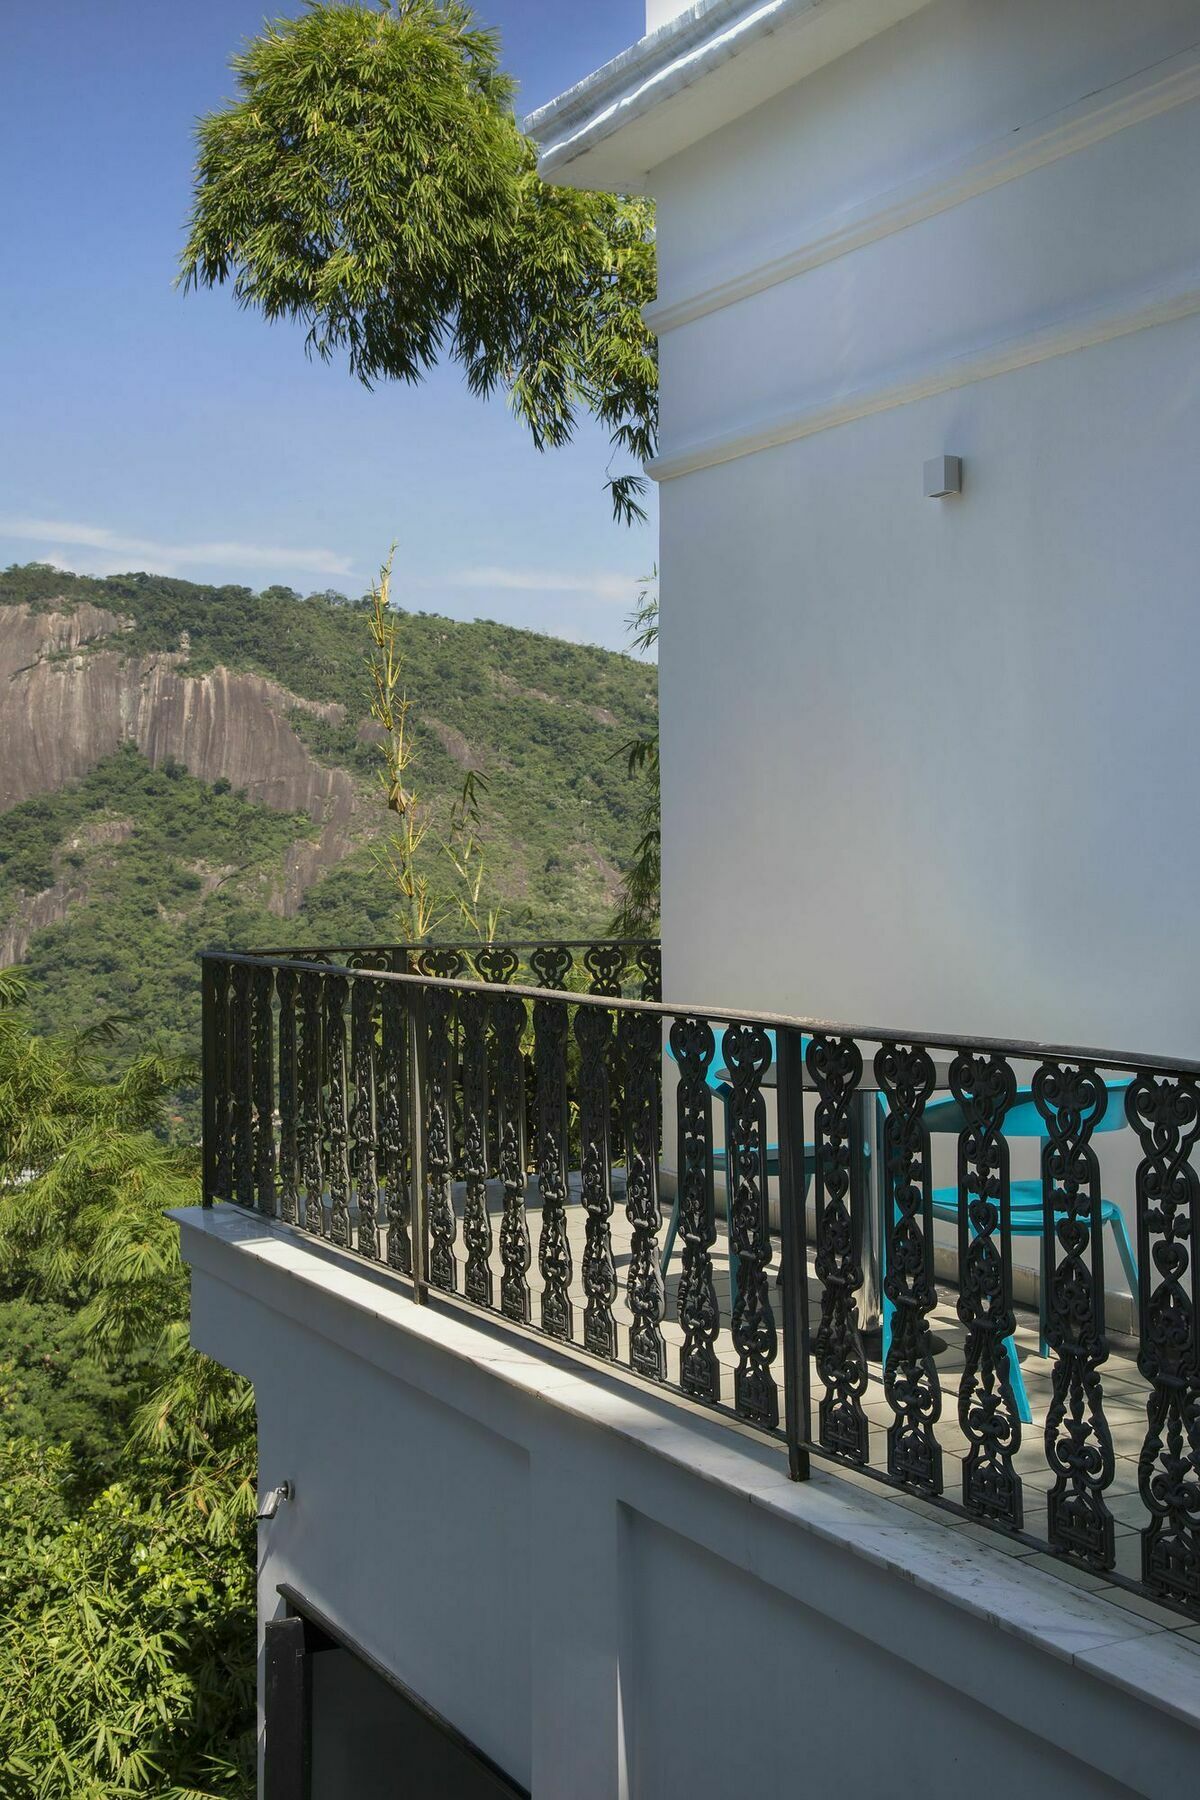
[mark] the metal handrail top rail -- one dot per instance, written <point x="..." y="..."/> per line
<point x="469" y="944"/>
<point x="1031" y="1049"/>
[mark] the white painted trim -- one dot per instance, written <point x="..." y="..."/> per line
<point x="1143" y="96"/>
<point x="1159" y="305"/>
<point x="660" y="95"/>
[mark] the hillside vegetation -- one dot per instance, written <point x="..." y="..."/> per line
<point x="136" y="867"/>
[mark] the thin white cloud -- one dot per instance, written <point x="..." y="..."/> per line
<point x="114" y="549"/>
<point x="620" y="588"/>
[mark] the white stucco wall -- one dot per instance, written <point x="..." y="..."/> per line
<point x="618" y="1600"/>
<point x="931" y="762"/>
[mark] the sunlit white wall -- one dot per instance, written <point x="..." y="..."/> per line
<point x="932" y="762"/>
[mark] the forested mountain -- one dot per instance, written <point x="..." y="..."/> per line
<point x="187" y="765"/>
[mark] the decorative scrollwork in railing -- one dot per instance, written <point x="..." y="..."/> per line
<point x="392" y="1115"/>
<point x="1165" y="1113"/>
<point x="593" y="1031"/>
<point x="240" y="1028"/>
<point x="337" y="1122"/>
<point x="263" y="987"/>
<point x="221" y="1119"/>
<point x="1079" y="1446"/>
<point x="286" y="988"/>
<point x="438" y="1150"/>
<point x="441" y="961"/>
<point x="362" y="1117"/>
<point x="648" y="958"/>
<point x="508" y="1025"/>
<point x="496" y="963"/>
<point x="910" y="1382"/>
<point x="835" y="1067"/>
<point x="554" y="1248"/>
<point x="312" y="1092"/>
<point x="605" y="965"/>
<point x="550" y="964"/>
<point x="477" y="1225"/>
<point x="747" y="1052"/>
<point x="641" y="1046"/>
<point x="985" y="1088"/>
<point x="694" y="1048"/>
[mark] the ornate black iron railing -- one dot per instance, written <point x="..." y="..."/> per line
<point x="612" y="966"/>
<point x="403" y="1112"/>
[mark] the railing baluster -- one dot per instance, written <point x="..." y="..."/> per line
<point x="509" y="1016"/>
<point x="336" y="1113"/>
<point x="312" y="1083"/>
<point x="1079" y="1446"/>
<point x="289" y="1197"/>
<point x="698" y="1308"/>
<point x="747" y="1053"/>
<point x="496" y="963"/>
<point x="593" y="1030"/>
<point x="550" y="964"/>
<point x="264" y="1090"/>
<point x="910" y="1380"/>
<point x="605" y="964"/>
<point x="985" y="1088"/>
<point x="649" y="961"/>
<point x="221" y="1155"/>
<point x="1165" y="1113"/>
<point x="554" y="1248"/>
<point x="835" y="1066"/>
<point x="793" y="1222"/>
<point x="393" y="1127"/>
<point x="477" y="1224"/>
<point x="362" y="1116"/>
<point x="641" y="1050"/>
<point x="241" y="1028"/>
<point x="443" y="1226"/>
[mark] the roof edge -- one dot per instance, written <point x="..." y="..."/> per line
<point x="658" y="97"/>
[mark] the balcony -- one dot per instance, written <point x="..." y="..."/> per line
<point x="508" y="1146"/>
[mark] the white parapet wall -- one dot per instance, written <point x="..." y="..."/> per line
<point x="612" y="1596"/>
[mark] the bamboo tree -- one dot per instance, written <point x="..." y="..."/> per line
<point x="638" y="913"/>
<point x="437" y="863"/>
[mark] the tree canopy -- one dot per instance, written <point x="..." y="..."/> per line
<point x="371" y="181"/>
<point x="127" y="1476"/>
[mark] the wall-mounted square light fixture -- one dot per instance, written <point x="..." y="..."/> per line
<point x="943" y="476"/>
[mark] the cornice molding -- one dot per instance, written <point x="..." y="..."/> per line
<point x="1131" y="102"/>
<point x="1167" y="301"/>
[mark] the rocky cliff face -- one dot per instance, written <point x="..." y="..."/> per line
<point x="64" y="706"/>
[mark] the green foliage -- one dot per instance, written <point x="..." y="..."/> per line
<point x="200" y="865"/>
<point x="126" y="1663"/>
<point x="127" y="1660"/>
<point x="637" y="915"/>
<point x="370" y="181"/>
<point x="55" y="1388"/>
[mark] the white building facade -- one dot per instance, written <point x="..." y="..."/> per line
<point x="925" y="762"/>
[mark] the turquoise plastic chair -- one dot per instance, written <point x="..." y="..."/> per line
<point x="1025" y="1207"/>
<point x="720" y="1086"/>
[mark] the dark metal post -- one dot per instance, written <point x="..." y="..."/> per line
<point x="794" y="1231"/>
<point x="208" y="1082"/>
<point x="287" y="1706"/>
<point x="418" y="1038"/>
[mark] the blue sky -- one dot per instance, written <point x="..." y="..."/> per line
<point x="145" y="428"/>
